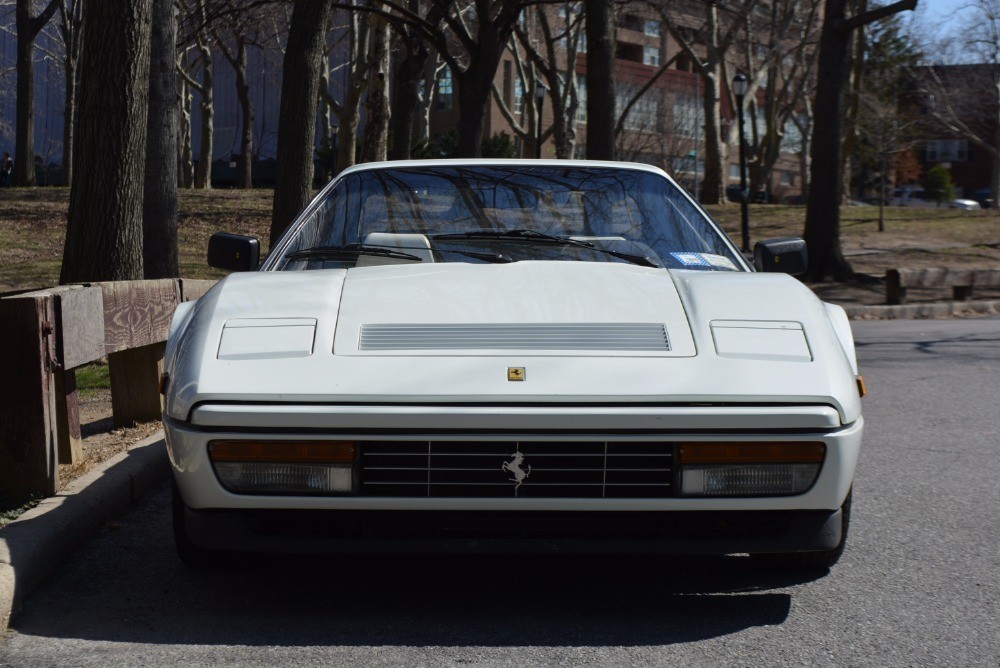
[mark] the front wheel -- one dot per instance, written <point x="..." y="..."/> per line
<point x="190" y="553"/>
<point x="811" y="561"/>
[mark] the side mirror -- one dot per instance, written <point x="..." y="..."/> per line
<point x="786" y="255"/>
<point x="234" y="252"/>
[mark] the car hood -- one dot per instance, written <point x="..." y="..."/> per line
<point x="579" y="332"/>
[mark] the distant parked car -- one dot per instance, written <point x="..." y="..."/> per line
<point x="985" y="198"/>
<point x="915" y="197"/>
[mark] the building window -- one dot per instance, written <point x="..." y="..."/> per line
<point x="651" y="56"/>
<point x="686" y="115"/>
<point x="445" y="90"/>
<point x="788" y="178"/>
<point x="581" y="96"/>
<point x="645" y="113"/>
<point x="652" y="28"/>
<point x="518" y="97"/>
<point x="734" y="172"/>
<point x="947" y="150"/>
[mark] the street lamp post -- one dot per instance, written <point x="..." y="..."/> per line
<point x="540" y="91"/>
<point x="740" y="85"/>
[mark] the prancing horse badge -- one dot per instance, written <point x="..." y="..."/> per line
<point x="515" y="373"/>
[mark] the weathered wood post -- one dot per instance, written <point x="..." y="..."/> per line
<point x="28" y="451"/>
<point x="137" y="318"/>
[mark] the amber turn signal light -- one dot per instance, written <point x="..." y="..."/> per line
<point x="283" y="451"/>
<point x="739" y="453"/>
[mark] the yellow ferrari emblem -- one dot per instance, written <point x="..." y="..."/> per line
<point x="515" y="373"/>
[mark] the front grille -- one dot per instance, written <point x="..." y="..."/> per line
<point x="505" y="469"/>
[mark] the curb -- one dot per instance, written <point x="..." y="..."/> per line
<point x="917" y="311"/>
<point x="37" y="542"/>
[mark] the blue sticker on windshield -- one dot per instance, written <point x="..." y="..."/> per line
<point x="691" y="259"/>
<point x="704" y="260"/>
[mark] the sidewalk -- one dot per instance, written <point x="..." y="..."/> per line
<point x="36" y="543"/>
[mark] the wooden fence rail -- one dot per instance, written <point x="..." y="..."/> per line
<point x="46" y="335"/>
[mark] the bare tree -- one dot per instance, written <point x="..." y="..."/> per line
<point x="71" y="31"/>
<point x="297" y="125"/>
<point x="195" y="21"/>
<point x="545" y="52"/>
<point x="28" y="27"/>
<point x="963" y="100"/>
<point x="822" y="230"/>
<point x="375" y="145"/>
<point x="159" y="215"/>
<point x="783" y="63"/>
<point x="238" y="26"/>
<point x="600" y="30"/>
<point x="104" y="232"/>
<point x="708" y="48"/>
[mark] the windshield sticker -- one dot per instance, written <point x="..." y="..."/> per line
<point x="704" y="260"/>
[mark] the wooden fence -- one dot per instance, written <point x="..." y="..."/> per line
<point x="46" y="335"/>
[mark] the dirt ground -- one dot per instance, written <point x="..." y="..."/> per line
<point x="101" y="439"/>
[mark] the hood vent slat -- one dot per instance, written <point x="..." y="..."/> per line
<point x="547" y="336"/>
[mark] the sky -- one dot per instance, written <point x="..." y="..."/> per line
<point x="941" y="14"/>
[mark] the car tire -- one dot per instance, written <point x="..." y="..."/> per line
<point x="192" y="555"/>
<point x="810" y="561"/>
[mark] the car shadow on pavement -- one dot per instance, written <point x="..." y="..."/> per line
<point x="127" y="585"/>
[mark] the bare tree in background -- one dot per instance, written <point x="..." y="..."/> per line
<point x="708" y="49"/>
<point x="783" y="64"/>
<point x="546" y="52"/>
<point x="375" y="145"/>
<point x="195" y="34"/>
<point x="822" y="230"/>
<point x="600" y="31"/>
<point x="159" y="216"/>
<point x="297" y="123"/>
<point x="28" y="27"/>
<point x="964" y="100"/>
<point x="71" y="32"/>
<point x="104" y="232"/>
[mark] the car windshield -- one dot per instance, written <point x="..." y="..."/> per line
<point x="504" y="213"/>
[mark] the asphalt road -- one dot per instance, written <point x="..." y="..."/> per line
<point x="918" y="585"/>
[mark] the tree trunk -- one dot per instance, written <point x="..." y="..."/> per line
<point x="203" y="174"/>
<point x="600" y="29"/>
<point x="69" y="119"/>
<point x="822" y="230"/>
<point x="72" y="30"/>
<point x="716" y="149"/>
<point x="28" y="27"/>
<point x="297" y="122"/>
<point x="185" y="149"/>
<point x="159" y="215"/>
<point x="377" y="113"/>
<point x="408" y="79"/>
<point x="104" y="231"/>
<point x="244" y="166"/>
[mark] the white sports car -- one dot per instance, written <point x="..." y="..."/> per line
<point x="511" y="356"/>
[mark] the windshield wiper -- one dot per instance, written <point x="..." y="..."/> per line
<point x="353" y="250"/>
<point x="349" y="251"/>
<point x="516" y="235"/>
<point x="541" y="237"/>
